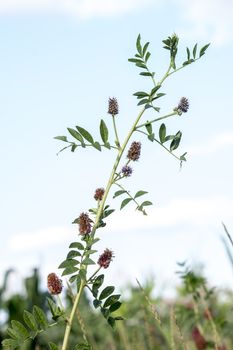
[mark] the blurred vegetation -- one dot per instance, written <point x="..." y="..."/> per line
<point x="199" y="317"/>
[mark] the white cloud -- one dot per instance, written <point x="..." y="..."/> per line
<point x="83" y="9"/>
<point x="214" y="144"/>
<point x="199" y="211"/>
<point x="189" y="212"/>
<point x="208" y="20"/>
<point x="40" y="239"/>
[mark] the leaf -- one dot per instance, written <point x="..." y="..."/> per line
<point x="29" y="320"/>
<point x="203" y="49"/>
<point x="143" y="101"/>
<point x="135" y="60"/>
<point x="112" y="322"/>
<point x="75" y="134"/>
<point x="188" y="53"/>
<point x="115" y="306"/>
<point x="176" y="141"/>
<point x="40" y="317"/>
<point x="125" y="202"/>
<point x="68" y="263"/>
<point x="73" y="254"/>
<point x="77" y="245"/>
<point x="138" y="45"/>
<point x="146" y="203"/>
<point x="147" y="56"/>
<point x="119" y="193"/>
<point x="169" y="137"/>
<point x="97" y="284"/>
<point x="10" y="344"/>
<point x="106" y="292"/>
<point x="103" y="131"/>
<point x="83" y="346"/>
<point x="73" y="148"/>
<point x="61" y="138"/>
<point x="140" y="193"/>
<point x="55" y="310"/>
<point x="149" y="128"/>
<point x="145" y="47"/>
<point x="140" y="94"/>
<point x="91" y="251"/>
<point x="151" y="137"/>
<point x="194" y="51"/>
<point x="155" y="89"/>
<point x="73" y="278"/>
<point x="162" y="133"/>
<point x="88" y="261"/>
<point x="69" y="270"/>
<point x="19" y="328"/>
<point x="183" y="158"/>
<point x="97" y="145"/>
<point x="111" y="300"/>
<point x="85" y="134"/>
<point x="96" y="303"/>
<point x="141" y="65"/>
<point x="146" y="74"/>
<point x="53" y="346"/>
<point x="12" y="333"/>
<point x="106" y="213"/>
<point x="105" y="312"/>
<point x="107" y="145"/>
<point x="161" y="94"/>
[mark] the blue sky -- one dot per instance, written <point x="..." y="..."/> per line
<point x="60" y="62"/>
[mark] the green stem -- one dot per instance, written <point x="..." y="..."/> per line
<point x="112" y="175"/>
<point x="72" y="314"/>
<point x="117" y="142"/>
<point x="95" y="226"/>
<point x="166" y="74"/>
<point x="157" y="119"/>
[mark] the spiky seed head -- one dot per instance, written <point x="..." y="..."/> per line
<point x="105" y="258"/>
<point x="183" y="105"/>
<point x="113" y="108"/>
<point x="134" y="151"/>
<point x="54" y="284"/>
<point x="84" y="224"/>
<point x="99" y="192"/>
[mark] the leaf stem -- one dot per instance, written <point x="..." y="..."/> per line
<point x="128" y="193"/>
<point x="157" y="119"/>
<point x="93" y="275"/>
<point x="160" y="145"/>
<point x="117" y="142"/>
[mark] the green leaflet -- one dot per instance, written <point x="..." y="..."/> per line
<point x="40" y="317"/>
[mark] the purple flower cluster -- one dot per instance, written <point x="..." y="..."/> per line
<point x="126" y="171"/>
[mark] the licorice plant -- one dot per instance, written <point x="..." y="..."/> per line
<point x="76" y="265"/>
